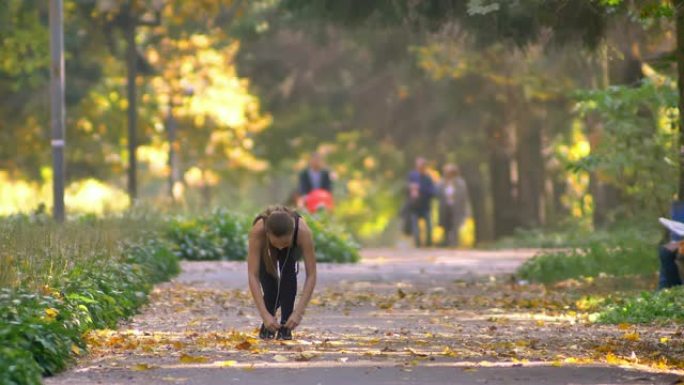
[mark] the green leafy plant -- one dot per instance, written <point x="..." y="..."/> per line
<point x="222" y="235"/>
<point x="665" y="305"/>
<point x="332" y="243"/>
<point x="636" y="149"/>
<point x="42" y="326"/>
<point x="625" y="253"/>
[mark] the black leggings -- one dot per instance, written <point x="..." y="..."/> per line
<point x="288" y="288"/>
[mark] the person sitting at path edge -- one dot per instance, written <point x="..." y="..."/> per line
<point x="671" y="255"/>
<point x="278" y="239"/>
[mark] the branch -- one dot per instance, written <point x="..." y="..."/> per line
<point x="227" y="14"/>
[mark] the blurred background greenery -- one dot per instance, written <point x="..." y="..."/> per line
<point x="562" y="115"/>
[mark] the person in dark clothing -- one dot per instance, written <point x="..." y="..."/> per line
<point x="278" y="239"/>
<point x="670" y="255"/>
<point x="420" y="194"/>
<point x="315" y="176"/>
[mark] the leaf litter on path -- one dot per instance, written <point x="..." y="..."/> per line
<point x="401" y="323"/>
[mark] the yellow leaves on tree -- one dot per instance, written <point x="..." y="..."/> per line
<point x="198" y="81"/>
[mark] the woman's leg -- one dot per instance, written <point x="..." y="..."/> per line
<point x="679" y="262"/>
<point x="415" y="228"/>
<point x="456" y="232"/>
<point x="288" y="289"/>
<point x="450" y="237"/>
<point x="669" y="275"/>
<point x="428" y="228"/>
<point x="269" y="285"/>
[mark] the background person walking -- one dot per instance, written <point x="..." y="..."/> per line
<point x="421" y="190"/>
<point x="453" y="204"/>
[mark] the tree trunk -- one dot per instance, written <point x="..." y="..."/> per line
<point x="560" y="210"/>
<point x="607" y="197"/>
<point x="172" y="162"/>
<point x="505" y="218"/>
<point x="57" y="110"/>
<point x="530" y="173"/>
<point x="679" y="6"/>
<point x="132" y="69"/>
<point x="478" y="204"/>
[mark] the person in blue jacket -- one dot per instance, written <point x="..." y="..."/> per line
<point x="421" y="190"/>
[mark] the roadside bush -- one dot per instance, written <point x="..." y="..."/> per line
<point x="664" y="305"/>
<point x="222" y="235"/>
<point x="332" y="243"/>
<point x="630" y="257"/>
<point x="40" y="331"/>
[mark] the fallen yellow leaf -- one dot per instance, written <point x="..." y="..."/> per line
<point x="280" y="358"/>
<point x="188" y="359"/>
<point x="225" y="364"/>
<point x="141" y="367"/>
<point x="416" y="353"/>
<point x="304" y="357"/>
<point x="75" y="349"/>
<point x="51" y="313"/>
<point x="613" y="359"/>
<point x="244" y="345"/>
<point x="448" y="352"/>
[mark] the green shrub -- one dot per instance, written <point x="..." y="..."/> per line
<point x="27" y="326"/>
<point x="40" y="331"/>
<point x="222" y="235"/>
<point x="577" y="233"/>
<point x="332" y="243"/>
<point x="628" y="258"/>
<point x="155" y="257"/>
<point x="17" y="367"/>
<point x="664" y="305"/>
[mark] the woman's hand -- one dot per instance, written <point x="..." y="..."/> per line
<point x="270" y="323"/>
<point x="294" y="320"/>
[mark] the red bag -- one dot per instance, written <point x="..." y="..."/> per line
<point x="319" y="199"/>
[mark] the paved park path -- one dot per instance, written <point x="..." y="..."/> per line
<point x="399" y="317"/>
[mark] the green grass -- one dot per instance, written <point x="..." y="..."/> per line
<point x="590" y="261"/>
<point x="34" y="251"/>
<point x="662" y="306"/>
<point x="622" y="252"/>
<point x="630" y="254"/>
<point x="57" y="282"/>
<point x="575" y="235"/>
